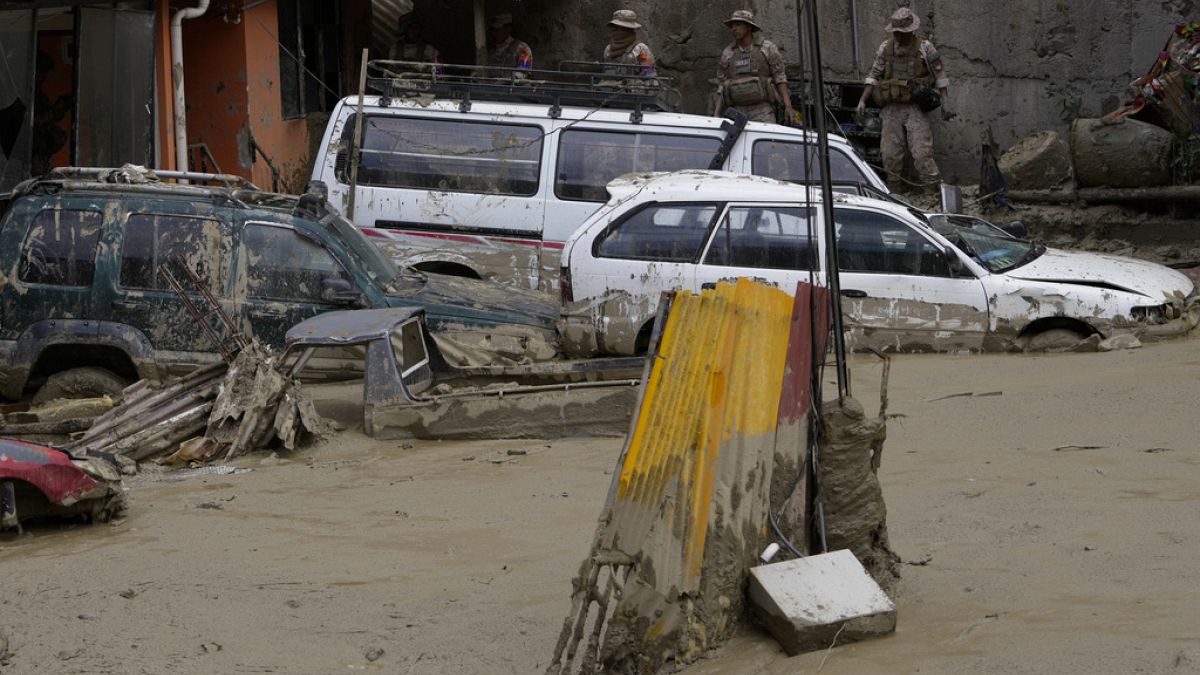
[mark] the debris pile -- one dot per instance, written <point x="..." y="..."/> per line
<point x="217" y="412"/>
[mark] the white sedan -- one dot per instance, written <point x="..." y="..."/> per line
<point x="905" y="286"/>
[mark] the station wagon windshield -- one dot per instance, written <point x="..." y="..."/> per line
<point x="997" y="254"/>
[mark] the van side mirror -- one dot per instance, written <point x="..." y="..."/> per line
<point x="338" y="291"/>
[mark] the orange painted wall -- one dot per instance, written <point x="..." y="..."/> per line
<point x="214" y="66"/>
<point x="284" y="141"/>
<point x="164" y="89"/>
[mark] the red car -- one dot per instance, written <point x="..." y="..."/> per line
<point x="38" y="481"/>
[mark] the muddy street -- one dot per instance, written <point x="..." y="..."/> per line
<point x="1044" y="507"/>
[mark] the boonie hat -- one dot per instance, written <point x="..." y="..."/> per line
<point x="500" y="20"/>
<point x="625" y="18"/>
<point x="746" y="17"/>
<point x="904" y="21"/>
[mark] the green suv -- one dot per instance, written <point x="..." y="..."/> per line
<point x="85" y="305"/>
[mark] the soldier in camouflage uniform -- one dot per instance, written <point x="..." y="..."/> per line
<point x="751" y="75"/>
<point x="624" y="47"/>
<point x="904" y="60"/>
<point x="507" y="51"/>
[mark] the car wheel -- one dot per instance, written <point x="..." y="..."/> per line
<point x="85" y="382"/>
<point x="1055" y="340"/>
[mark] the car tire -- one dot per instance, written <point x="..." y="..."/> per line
<point x="1055" y="340"/>
<point x="87" y="382"/>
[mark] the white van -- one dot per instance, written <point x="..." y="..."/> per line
<point x="906" y="284"/>
<point x="493" y="190"/>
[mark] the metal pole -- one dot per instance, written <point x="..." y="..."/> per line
<point x="831" y="253"/>
<point x="357" y="141"/>
<point x="480" y="34"/>
<point x="854" y="35"/>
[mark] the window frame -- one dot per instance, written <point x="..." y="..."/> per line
<point x="244" y="255"/>
<point x="348" y="132"/>
<point x="861" y="178"/>
<point x="912" y="229"/>
<point x="718" y="210"/>
<point x="562" y="137"/>
<point x="814" y="241"/>
<point x="222" y="229"/>
<point x="100" y="236"/>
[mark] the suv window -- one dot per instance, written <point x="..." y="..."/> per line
<point x="768" y="237"/>
<point x="672" y="233"/>
<point x="60" y="248"/>
<point x="785" y="160"/>
<point x="588" y="160"/>
<point x="154" y="243"/>
<point x="282" y="265"/>
<point x="873" y="242"/>
<point x="449" y="155"/>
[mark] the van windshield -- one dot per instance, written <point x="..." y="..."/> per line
<point x="378" y="266"/>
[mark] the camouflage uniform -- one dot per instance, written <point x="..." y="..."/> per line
<point x="512" y="53"/>
<point x="637" y="55"/>
<point x="905" y="126"/>
<point x="762" y="61"/>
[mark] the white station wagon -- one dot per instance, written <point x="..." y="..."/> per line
<point x="905" y="286"/>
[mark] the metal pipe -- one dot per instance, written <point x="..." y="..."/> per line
<point x="181" y="143"/>
<point x="480" y="19"/>
<point x="854" y="35"/>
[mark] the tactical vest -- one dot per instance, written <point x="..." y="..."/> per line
<point x="899" y="74"/>
<point x="749" y="78"/>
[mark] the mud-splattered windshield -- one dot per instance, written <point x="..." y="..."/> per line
<point x="996" y="253"/>
<point x="377" y="265"/>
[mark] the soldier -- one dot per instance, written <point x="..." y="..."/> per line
<point x="411" y="45"/>
<point x="905" y="69"/>
<point x="624" y="48"/>
<point x="507" y="51"/>
<point x="751" y="75"/>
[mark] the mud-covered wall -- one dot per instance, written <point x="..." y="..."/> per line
<point x="1013" y="65"/>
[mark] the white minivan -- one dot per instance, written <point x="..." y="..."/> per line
<point x="905" y="285"/>
<point x="493" y="190"/>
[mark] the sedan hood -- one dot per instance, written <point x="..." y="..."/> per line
<point x="474" y="301"/>
<point x="1105" y="271"/>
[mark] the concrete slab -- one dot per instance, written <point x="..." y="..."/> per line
<point x="808" y="603"/>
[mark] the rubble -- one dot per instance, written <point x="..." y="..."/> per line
<point x="1120" y="153"/>
<point x="1040" y="160"/>
<point x="217" y="412"/>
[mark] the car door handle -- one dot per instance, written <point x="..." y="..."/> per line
<point x="265" y="314"/>
<point x="853" y="293"/>
<point x="128" y="305"/>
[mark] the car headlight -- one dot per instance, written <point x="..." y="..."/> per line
<point x="1154" y="313"/>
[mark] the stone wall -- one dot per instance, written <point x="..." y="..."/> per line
<point x="1013" y="65"/>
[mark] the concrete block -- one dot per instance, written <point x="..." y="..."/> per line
<point x="807" y="601"/>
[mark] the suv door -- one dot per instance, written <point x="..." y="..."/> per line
<point x="770" y="243"/>
<point x="282" y="277"/>
<point x="55" y="266"/>
<point x="900" y="291"/>
<point x="154" y="245"/>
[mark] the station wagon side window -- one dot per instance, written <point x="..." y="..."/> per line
<point x="797" y="162"/>
<point x="155" y="243"/>
<point x="765" y="237"/>
<point x="60" y="248"/>
<point x="874" y="242"/>
<point x="282" y="265"/>
<point x="589" y="160"/>
<point x="448" y="155"/>
<point x="663" y="232"/>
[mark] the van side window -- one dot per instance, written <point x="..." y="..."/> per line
<point x="60" y="248"/>
<point x="282" y="265"/>
<point x="588" y="160"/>
<point x="797" y="162"/>
<point x="766" y="237"/>
<point x="154" y="243"/>
<point x="671" y="233"/>
<point x="453" y="156"/>
<point x="873" y="242"/>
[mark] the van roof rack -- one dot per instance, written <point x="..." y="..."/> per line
<point x="578" y="83"/>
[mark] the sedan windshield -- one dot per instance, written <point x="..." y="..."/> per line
<point x="996" y="253"/>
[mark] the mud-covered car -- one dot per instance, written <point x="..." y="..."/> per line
<point x="905" y="286"/>
<point x="86" y="306"/>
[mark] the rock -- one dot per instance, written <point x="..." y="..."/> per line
<point x="1120" y="153"/>
<point x="373" y="653"/>
<point x="1039" y="161"/>
<point x="1123" y="341"/>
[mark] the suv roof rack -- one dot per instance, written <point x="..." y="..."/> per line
<point x="138" y="174"/>
<point x="579" y="83"/>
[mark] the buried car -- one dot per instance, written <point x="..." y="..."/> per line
<point x="39" y="481"/>
<point x="87" y="256"/>
<point x="905" y="286"/>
